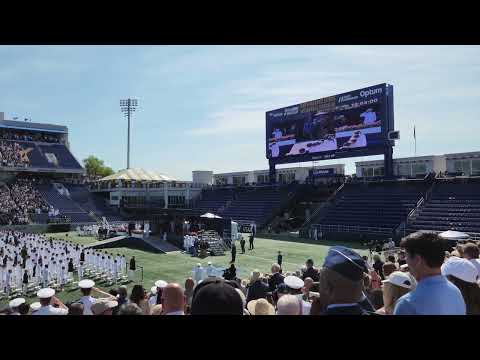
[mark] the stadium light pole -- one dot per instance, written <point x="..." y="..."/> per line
<point x="128" y="106"/>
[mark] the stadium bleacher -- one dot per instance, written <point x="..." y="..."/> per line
<point x="453" y="205"/>
<point x="375" y="205"/>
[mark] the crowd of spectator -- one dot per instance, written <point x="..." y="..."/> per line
<point x="28" y="136"/>
<point x="12" y="155"/>
<point x="420" y="279"/>
<point x="19" y="200"/>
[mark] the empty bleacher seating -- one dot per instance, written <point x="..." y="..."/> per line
<point x="374" y="205"/>
<point x="453" y="205"/>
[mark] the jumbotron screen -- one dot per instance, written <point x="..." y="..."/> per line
<point x="346" y="125"/>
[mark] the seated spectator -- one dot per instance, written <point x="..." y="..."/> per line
<point x="397" y="285"/>
<point x="376" y="298"/>
<point x="288" y="305"/>
<point x="104" y="307"/>
<point x="260" y="307"/>
<point x="138" y="296"/>
<point x="130" y="309"/>
<point x="75" y="309"/>
<point x="122" y="296"/>
<point x="311" y="271"/>
<point x="216" y="297"/>
<point x="471" y="253"/>
<point x="464" y="275"/>
<point x="257" y="288"/>
<point x="157" y="309"/>
<point x="341" y="282"/>
<point x="173" y="300"/>
<point x="378" y="266"/>
<point x="388" y="268"/>
<point x="434" y="294"/>
<point x="276" y="278"/>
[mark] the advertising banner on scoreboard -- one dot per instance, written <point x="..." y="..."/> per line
<point x="329" y="172"/>
<point x="345" y="125"/>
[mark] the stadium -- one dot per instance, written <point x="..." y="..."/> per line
<point x="86" y="227"/>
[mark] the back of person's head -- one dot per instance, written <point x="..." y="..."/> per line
<point x="426" y="245"/>
<point x="216" y="297"/>
<point x="173" y="298"/>
<point x="275" y="268"/>
<point x="137" y="294"/>
<point x="391" y="258"/>
<point x="376" y="258"/>
<point x="130" y="309"/>
<point x="23" y="309"/>
<point x="391" y="293"/>
<point x="470" y="293"/>
<point x="388" y="268"/>
<point x="189" y="284"/>
<point x="156" y="309"/>
<point x="113" y="292"/>
<point x="75" y="309"/>
<point x="376" y="298"/>
<point x="122" y="291"/>
<point x="288" y="305"/>
<point x="471" y="251"/>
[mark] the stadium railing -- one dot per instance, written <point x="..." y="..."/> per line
<point x="352" y="229"/>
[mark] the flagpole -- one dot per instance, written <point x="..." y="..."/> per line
<point x="415" y="138"/>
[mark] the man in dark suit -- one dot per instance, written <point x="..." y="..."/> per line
<point x="234" y="253"/>
<point x="279" y="258"/>
<point x="250" y="241"/>
<point x="242" y="244"/>
<point x="341" y="283"/>
<point x="276" y="278"/>
<point x="311" y="271"/>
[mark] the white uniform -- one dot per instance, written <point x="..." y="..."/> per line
<point x="87" y="302"/>
<point x="50" y="310"/>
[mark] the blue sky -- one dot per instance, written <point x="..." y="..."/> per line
<point x="203" y="107"/>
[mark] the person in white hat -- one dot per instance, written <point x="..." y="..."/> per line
<point x="50" y="305"/>
<point x="198" y="273"/>
<point x="295" y="286"/>
<point x="104" y="307"/>
<point x="464" y="275"/>
<point x="14" y="304"/>
<point x="260" y="307"/>
<point x="395" y="286"/>
<point x="156" y="298"/>
<point x="86" y="286"/>
<point x="34" y="307"/>
<point x="210" y="270"/>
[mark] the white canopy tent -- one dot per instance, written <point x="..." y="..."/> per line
<point x="454" y="235"/>
<point x="210" y="216"/>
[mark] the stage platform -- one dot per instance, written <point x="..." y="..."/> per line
<point x="152" y="244"/>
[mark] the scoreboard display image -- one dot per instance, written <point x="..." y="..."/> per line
<point x="346" y="125"/>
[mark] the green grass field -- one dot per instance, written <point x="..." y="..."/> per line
<point x="176" y="266"/>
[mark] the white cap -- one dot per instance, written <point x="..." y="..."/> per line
<point x="161" y="284"/>
<point x="209" y="263"/>
<point x="35" y="306"/>
<point x="153" y="289"/>
<point x="16" y="302"/>
<point x="293" y="282"/>
<point x="198" y="265"/>
<point x="86" y="284"/>
<point x="461" y="269"/>
<point x="45" y="293"/>
<point x="404" y="266"/>
<point x="400" y="279"/>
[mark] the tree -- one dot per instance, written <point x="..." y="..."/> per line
<point x="96" y="167"/>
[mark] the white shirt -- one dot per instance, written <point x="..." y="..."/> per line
<point x="50" y="310"/>
<point x="87" y="302"/>
<point x="153" y="300"/>
<point x="476" y="262"/>
<point x="369" y="117"/>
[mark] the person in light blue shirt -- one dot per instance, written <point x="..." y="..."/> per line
<point x="434" y="294"/>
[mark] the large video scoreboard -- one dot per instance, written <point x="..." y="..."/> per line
<point x="351" y="124"/>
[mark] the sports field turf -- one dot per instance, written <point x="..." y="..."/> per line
<point x="177" y="266"/>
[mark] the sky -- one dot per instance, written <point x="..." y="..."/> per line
<point x="203" y="107"/>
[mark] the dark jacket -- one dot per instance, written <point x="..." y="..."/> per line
<point x="275" y="280"/>
<point x="311" y="273"/>
<point x="257" y="290"/>
<point x="132" y="264"/>
<point x="347" y="310"/>
<point x="378" y="267"/>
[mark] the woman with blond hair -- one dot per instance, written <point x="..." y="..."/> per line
<point x="394" y="287"/>
<point x="257" y="289"/>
